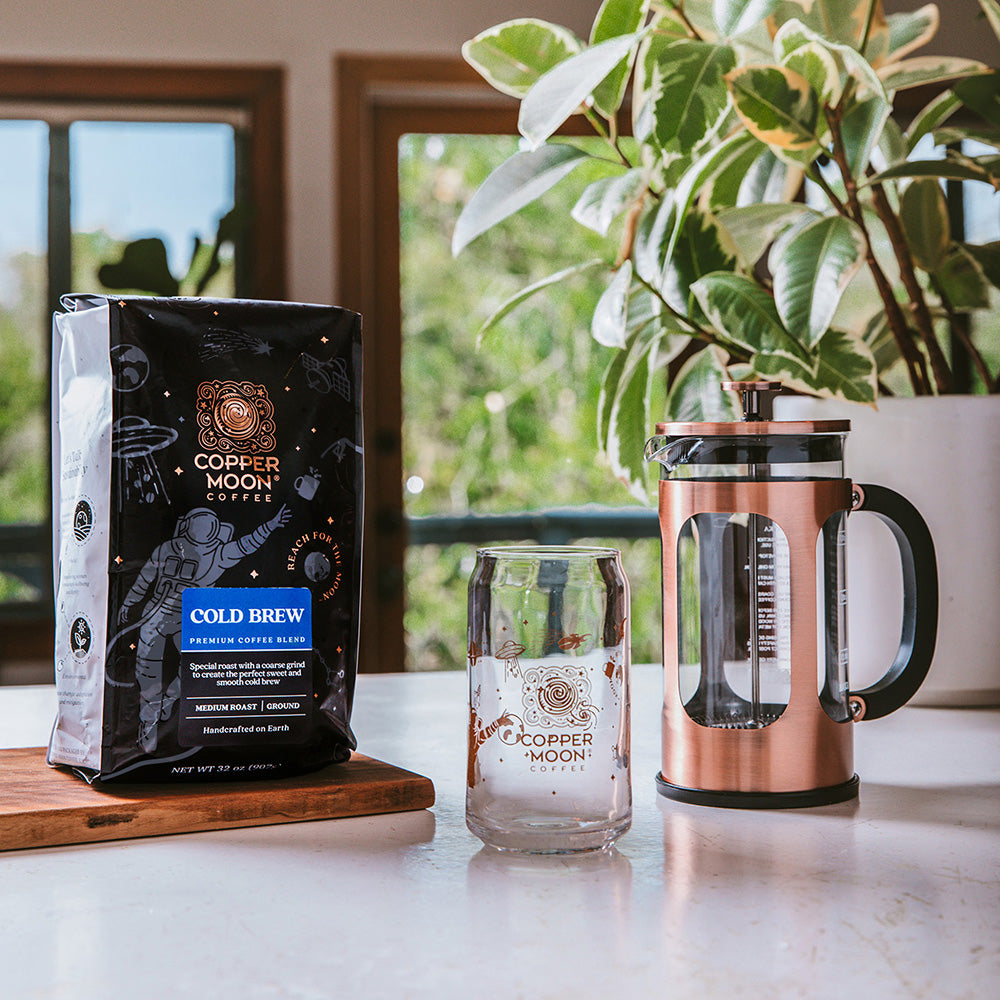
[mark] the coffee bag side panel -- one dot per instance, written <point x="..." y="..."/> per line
<point x="81" y="442"/>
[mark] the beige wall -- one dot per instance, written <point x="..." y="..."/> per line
<point x="304" y="36"/>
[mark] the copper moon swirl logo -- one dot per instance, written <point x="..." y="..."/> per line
<point x="235" y="416"/>
<point x="557" y="696"/>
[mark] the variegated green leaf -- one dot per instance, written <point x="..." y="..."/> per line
<point x="815" y="63"/>
<point x="517" y="182"/>
<point x="735" y="16"/>
<point x="745" y="315"/>
<point x="732" y="187"/>
<point x="812" y="265"/>
<point x="924" y="70"/>
<point x="892" y="143"/>
<point x="608" y="325"/>
<point x="878" y="336"/>
<point x="505" y="308"/>
<point x="623" y="408"/>
<point x="861" y="129"/>
<point x="652" y="236"/>
<point x="963" y="281"/>
<point x="987" y="257"/>
<point x="615" y="17"/>
<point x="950" y="168"/>
<point x="754" y="227"/>
<point x="861" y="70"/>
<point x="910" y="30"/>
<point x="923" y="212"/>
<point x="932" y="116"/>
<point x="512" y="56"/>
<point x="769" y="179"/>
<point x="690" y="100"/>
<point x="564" y="89"/>
<point x="836" y="26"/>
<point x="957" y="134"/>
<point x="992" y="11"/>
<point x="777" y="106"/>
<point x="982" y="95"/>
<point x="792" y="35"/>
<point x="628" y="418"/>
<point x="703" y="246"/>
<point x="845" y="369"/>
<point x="844" y="23"/>
<point x="604" y="200"/>
<point x="664" y="30"/>
<point x="696" y="393"/>
<point x="736" y="153"/>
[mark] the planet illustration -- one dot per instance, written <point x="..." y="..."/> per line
<point x="316" y="567"/>
<point x="129" y="367"/>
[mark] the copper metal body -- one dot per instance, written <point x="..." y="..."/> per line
<point x="804" y="749"/>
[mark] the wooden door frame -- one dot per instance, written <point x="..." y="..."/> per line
<point x="378" y="100"/>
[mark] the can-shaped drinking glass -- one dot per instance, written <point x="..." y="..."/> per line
<point x="548" y="667"/>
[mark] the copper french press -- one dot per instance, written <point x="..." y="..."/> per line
<point x="757" y="709"/>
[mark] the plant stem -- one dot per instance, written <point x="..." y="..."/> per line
<point x="693" y="328"/>
<point x="611" y="138"/>
<point x="678" y="9"/>
<point x="894" y="314"/>
<point x="820" y="181"/>
<point x="918" y="302"/>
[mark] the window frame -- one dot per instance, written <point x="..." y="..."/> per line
<point x="256" y="91"/>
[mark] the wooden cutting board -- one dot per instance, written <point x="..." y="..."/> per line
<point x="42" y="806"/>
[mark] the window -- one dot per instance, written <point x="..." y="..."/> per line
<point x="417" y="122"/>
<point x="94" y="157"/>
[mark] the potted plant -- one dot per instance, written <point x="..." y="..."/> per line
<point x="770" y="212"/>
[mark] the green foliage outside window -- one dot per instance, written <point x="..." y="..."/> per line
<point x="507" y="424"/>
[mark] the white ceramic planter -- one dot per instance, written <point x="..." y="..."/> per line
<point x="943" y="454"/>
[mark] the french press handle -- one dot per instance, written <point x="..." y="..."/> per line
<point x="920" y="603"/>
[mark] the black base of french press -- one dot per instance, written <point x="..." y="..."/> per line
<point x="760" y="800"/>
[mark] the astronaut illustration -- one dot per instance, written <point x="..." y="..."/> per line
<point x="199" y="552"/>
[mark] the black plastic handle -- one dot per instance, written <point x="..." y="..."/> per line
<point x="920" y="604"/>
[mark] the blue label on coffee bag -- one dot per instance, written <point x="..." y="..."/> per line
<point x="246" y="665"/>
<point x="246" y="618"/>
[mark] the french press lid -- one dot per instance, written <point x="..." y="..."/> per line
<point x="752" y="446"/>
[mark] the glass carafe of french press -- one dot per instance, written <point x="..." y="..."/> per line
<point x="757" y="706"/>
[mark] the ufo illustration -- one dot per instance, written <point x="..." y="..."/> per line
<point x="133" y="440"/>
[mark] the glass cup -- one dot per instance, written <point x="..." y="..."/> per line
<point x="548" y="665"/>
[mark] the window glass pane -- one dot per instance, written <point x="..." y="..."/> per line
<point x="23" y="356"/>
<point x="981" y="202"/>
<point x="508" y="425"/>
<point x="133" y="180"/>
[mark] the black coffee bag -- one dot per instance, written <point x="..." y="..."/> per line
<point x="207" y="500"/>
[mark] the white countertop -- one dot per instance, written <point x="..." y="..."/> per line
<point x="896" y="895"/>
